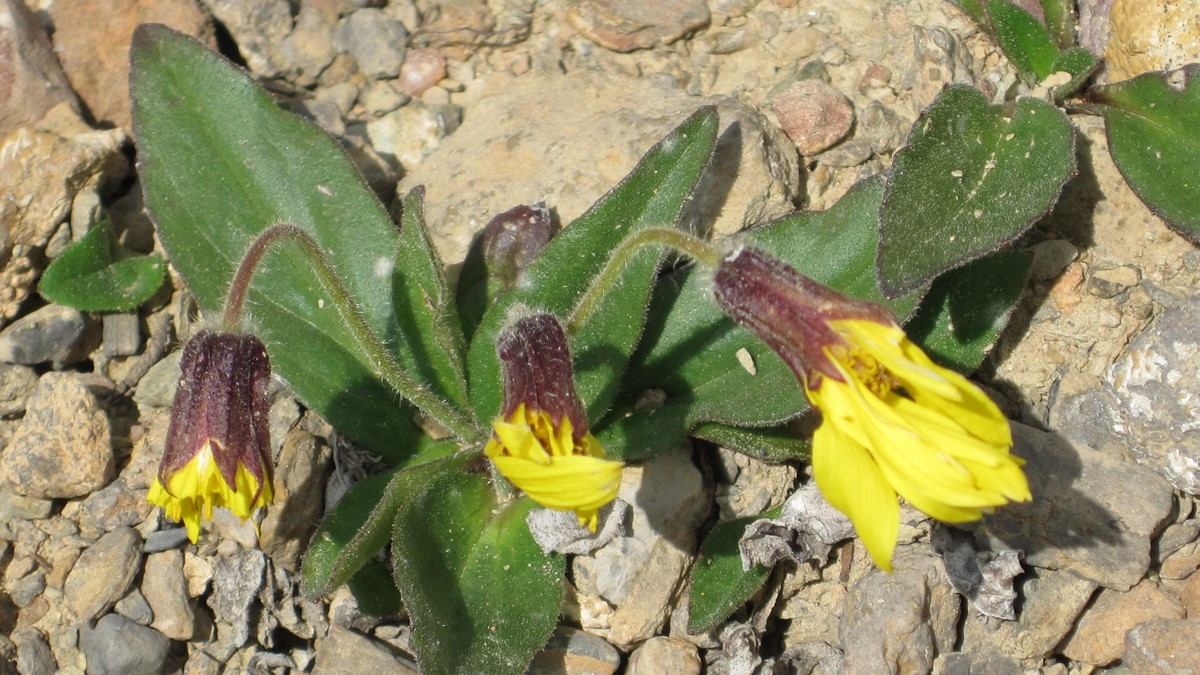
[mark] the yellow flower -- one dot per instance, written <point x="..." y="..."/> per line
<point x="893" y="421"/>
<point x="218" y="447"/>
<point x="549" y="465"/>
<point x="541" y="441"/>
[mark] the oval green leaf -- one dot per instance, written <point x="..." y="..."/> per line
<point x="719" y="585"/>
<point x="971" y="178"/>
<point x="1154" y="138"/>
<point x="95" y="275"/>
<point x="220" y="161"/>
<point x="482" y="596"/>
<point x="1024" y="39"/>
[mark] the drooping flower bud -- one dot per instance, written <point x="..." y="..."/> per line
<point x="892" y="420"/>
<point x="218" y="447"/>
<point x="541" y="441"/>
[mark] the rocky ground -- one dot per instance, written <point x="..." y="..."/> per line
<point x="491" y="104"/>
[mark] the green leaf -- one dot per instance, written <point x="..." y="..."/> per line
<point x="482" y="596"/>
<point x="709" y="369"/>
<point x="220" y="162"/>
<point x="1060" y="21"/>
<point x="361" y="525"/>
<point x="375" y="590"/>
<point x="96" y="275"/>
<point x="719" y="585"/>
<point x="965" y="309"/>
<point x="1023" y="38"/>
<point x="427" y="334"/>
<point x="653" y="195"/>
<point x="971" y="178"/>
<point x="1080" y="63"/>
<point x="1154" y="138"/>
<point x="973" y="8"/>
<point x="770" y="444"/>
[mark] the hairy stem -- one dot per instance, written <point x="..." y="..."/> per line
<point x="378" y="358"/>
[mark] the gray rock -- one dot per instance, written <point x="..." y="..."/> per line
<point x="27" y="588"/>
<point x="164" y="540"/>
<point x="63" y="447"/>
<point x="375" y="40"/>
<point x="257" y="27"/>
<point x="939" y="58"/>
<point x="33" y="652"/>
<point x="103" y="574"/>
<point x="971" y="663"/>
<point x="122" y="334"/>
<point x="344" y="651"/>
<point x="1091" y="513"/>
<point x="899" y="622"/>
<point x="307" y="50"/>
<point x="664" y="655"/>
<point x="16" y="384"/>
<point x="628" y="25"/>
<point x="1163" y="647"/>
<point x="47" y="334"/>
<point x="237" y="580"/>
<point x="880" y="125"/>
<point x="560" y="531"/>
<point x="135" y="608"/>
<point x="118" y="646"/>
<point x="1051" y="257"/>
<point x="813" y="658"/>
<point x="574" y="651"/>
<point x="165" y="590"/>
<point x="19" y="507"/>
<point x="157" y="387"/>
<point x="845" y="155"/>
<point x="1050" y="603"/>
<point x="484" y="168"/>
<point x="115" y="505"/>
<point x="1148" y="401"/>
<point x="755" y="486"/>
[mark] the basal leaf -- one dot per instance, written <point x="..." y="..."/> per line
<point x="653" y="195"/>
<point x="770" y="444"/>
<point x="482" y="596"/>
<point x="95" y="275"/>
<point x="971" y="178"/>
<point x="220" y="161"/>
<point x="1060" y="21"/>
<point x="719" y="585"/>
<point x="974" y="8"/>
<point x="965" y="309"/>
<point x="1023" y="38"/>
<point x="1080" y="63"/>
<point x="428" y="338"/>
<point x="1154" y="138"/>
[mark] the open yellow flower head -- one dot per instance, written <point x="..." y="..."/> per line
<point x="892" y="420"/>
<point x="540" y="440"/>
<point x="218" y="447"/>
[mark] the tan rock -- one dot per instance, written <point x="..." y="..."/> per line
<point x="628" y="25"/>
<point x="1100" y="634"/>
<point x="1151" y="35"/>
<point x="31" y="80"/>
<point x="164" y="588"/>
<point x="299" y="499"/>
<point x="103" y="574"/>
<point x="92" y="41"/>
<point x="1164" y="647"/>
<point x="665" y="655"/>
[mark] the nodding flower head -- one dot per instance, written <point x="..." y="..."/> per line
<point x="540" y="441"/>
<point x="892" y="420"/>
<point x="218" y="448"/>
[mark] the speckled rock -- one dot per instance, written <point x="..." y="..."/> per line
<point x="33" y="652"/>
<point x="664" y="655"/>
<point x="1151" y="35"/>
<point x="258" y="27"/>
<point x="47" y="334"/>
<point x="63" y="446"/>
<point x="628" y="25"/>
<point x="42" y="170"/>
<point x="103" y="573"/>
<point x="899" y="622"/>
<point x="498" y="157"/>
<point x="1100" y="635"/>
<point x="1163" y="647"/>
<point x="16" y="384"/>
<point x="344" y="651"/>
<point x="375" y="40"/>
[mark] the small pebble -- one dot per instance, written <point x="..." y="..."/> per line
<point x="814" y="115"/>
<point x="375" y="40"/>
<point x="164" y="540"/>
<point x="135" y="608"/>
<point x="103" y="574"/>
